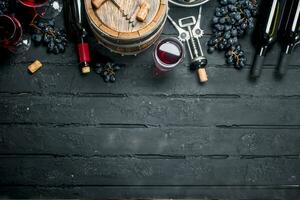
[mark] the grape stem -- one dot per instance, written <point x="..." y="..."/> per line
<point x="236" y="56"/>
<point x="52" y="33"/>
<point x="32" y="23"/>
<point x="110" y="71"/>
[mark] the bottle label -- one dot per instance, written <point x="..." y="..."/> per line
<point x="84" y="52"/>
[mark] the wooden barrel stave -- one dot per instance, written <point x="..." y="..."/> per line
<point x="107" y="32"/>
<point x="127" y="42"/>
<point x="129" y="49"/>
<point x="143" y="36"/>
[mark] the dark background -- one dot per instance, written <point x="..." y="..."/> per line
<point x="64" y="135"/>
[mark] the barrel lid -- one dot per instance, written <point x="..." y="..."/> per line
<point x="109" y="20"/>
<point x="188" y="3"/>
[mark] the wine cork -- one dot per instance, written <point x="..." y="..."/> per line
<point x="202" y="75"/>
<point x="97" y="3"/>
<point x="143" y="12"/>
<point x="85" y="70"/>
<point x="36" y="65"/>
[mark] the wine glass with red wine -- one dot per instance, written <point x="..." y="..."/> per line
<point x="11" y="33"/>
<point x="33" y="3"/>
<point x="51" y="9"/>
<point x="47" y="9"/>
<point x="168" y="54"/>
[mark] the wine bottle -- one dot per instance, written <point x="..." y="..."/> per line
<point x="289" y="34"/>
<point x="84" y="53"/>
<point x="76" y="28"/>
<point x="268" y="23"/>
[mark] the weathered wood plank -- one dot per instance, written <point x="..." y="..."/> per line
<point x="225" y="81"/>
<point x="137" y="171"/>
<point x="174" y="111"/>
<point x="97" y="141"/>
<point x="153" y="192"/>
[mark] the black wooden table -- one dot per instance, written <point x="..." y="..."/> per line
<point x="64" y="135"/>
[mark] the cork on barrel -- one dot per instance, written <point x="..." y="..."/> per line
<point x="97" y="3"/>
<point x="143" y="11"/>
<point x="35" y="66"/>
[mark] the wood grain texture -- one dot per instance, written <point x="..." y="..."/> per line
<point x="152" y="111"/>
<point x="115" y="26"/>
<point x="112" y="17"/>
<point x="63" y="135"/>
<point x="122" y="140"/>
<point x="152" y="171"/>
<point x="225" y="81"/>
<point x="120" y="192"/>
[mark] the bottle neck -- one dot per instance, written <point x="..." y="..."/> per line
<point x="263" y="51"/>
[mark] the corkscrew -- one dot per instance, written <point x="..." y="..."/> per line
<point x="199" y="61"/>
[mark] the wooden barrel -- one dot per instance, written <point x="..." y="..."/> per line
<point x="120" y="30"/>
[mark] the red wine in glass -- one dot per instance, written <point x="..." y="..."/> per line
<point x="168" y="54"/>
<point x="33" y="3"/>
<point x="26" y="10"/>
<point x="10" y="32"/>
<point x="46" y="9"/>
<point x="7" y="28"/>
<point x="12" y="37"/>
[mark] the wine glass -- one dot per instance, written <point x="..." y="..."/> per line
<point x="50" y="9"/>
<point x="33" y="3"/>
<point x="47" y="9"/>
<point x="168" y="54"/>
<point x="11" y="35"/>
<point x="7" y="28"/>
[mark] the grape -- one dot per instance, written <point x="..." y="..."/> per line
<point x="236" y="56"/>
<point x="211" y="49"/>
<point x="222" y="20"/>
<point x="215" y="20"/>
<point x="108" y="71"/>
<point x="47" y="38"/>
<point x="234" y="32"/>
<point x="55" y="50"/>
<point x="237" y="16"/>
<point x="227" y="35"/>
<point x="106" y="78"/>
<point x="51" y="46"/>
<point x="4" y="6"/>
<point x="44" y="32"/>
<point x="61" y="47"/>
<point x="112" y="79"/>
<point x="232" y="20"/>
<point x="37" y="38"/>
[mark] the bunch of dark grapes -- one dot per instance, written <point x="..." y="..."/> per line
<point x="235" y="55"/>
<point x="108" y="71"/>
<point x="4" y="6"/>
<point x="45" y="32"/>
<point x="233" y="18"/>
